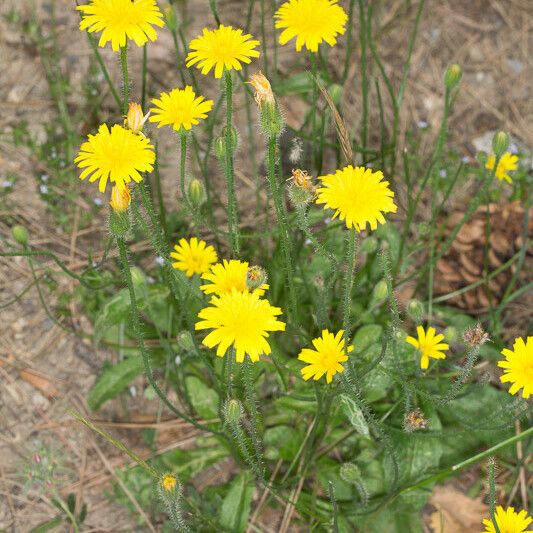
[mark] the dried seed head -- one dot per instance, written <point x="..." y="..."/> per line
<point x="476" y="336"/>
<point x="414" y="420"/>
<point x="296" y="151"/>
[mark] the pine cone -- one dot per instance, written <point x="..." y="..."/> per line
<point x="464" y="262"/>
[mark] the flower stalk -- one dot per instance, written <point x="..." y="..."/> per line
<point x="125" y="78"/>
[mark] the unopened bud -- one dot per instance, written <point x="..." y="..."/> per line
<point x="196" y="193"/>
<point x="451" y="334"/>
<point x="220" y="143"/>
<point x="415" y="309"/>
<point x="185" y="341"/>
<point x="135" y="119"/>
<point x="350" y="473"/>
<point x="500" y="143"/>
<point x="255" y="277"/>
<point x="232" y="411"/>
<point x="120" y="199"/>
<point x="476" y="336"/>
<point x="171" y="20"/>
<point x="369" y="245"/>
<point x="381" y="290"/>
<point x="20" y="234"/>
<point x="414" y="420"/>
<point x="298" y="196"/>
<point x="168" y="482"/>
<point x="453" y="76"/>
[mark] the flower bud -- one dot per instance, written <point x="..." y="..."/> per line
<point x="220" y="143"/>
<point x="263" y="90"/>
<point x="451" y="334"/>
<point x="369" y="245"/>
<point x="120" y="199"/>
<point x="134" y="118"/>
<point x="271" y="119"/>
<point x="415" y="309"/>
<point x="20" y="234"/>
<point x="298" y="196"/>
<point x="196" y="193"/>
<point x="168" y="482"/>
<point x="232" y="411"/>
<point x="381" y="290"/>
<point x="500" y="142"/>
<point x="255" y="277"/>
<point x="171" y="20"/>
<point x="350" y="473"/>
<point x="453" y="76"/>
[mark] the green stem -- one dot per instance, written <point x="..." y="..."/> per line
<point x="492" y="494"/>
<point x="233" y="225"/>
<point x="183" y="161"/>
<point x="125" y="78"/>
<point x="364" y="75"/>
<point x="314" y="110"/>
<point x="351" y="250"/>
<point x="285" y="241"/>
<point x="255" y="417"/>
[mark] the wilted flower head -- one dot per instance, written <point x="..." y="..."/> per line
<point x="414" y="420"/>
<point x="476" y="336"/>
<point x="134" y="118"/>
<point x="263" y="90"/>
<point x="120" y="199"/>
<point x="255" y="277"/>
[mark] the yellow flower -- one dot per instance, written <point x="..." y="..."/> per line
<point x="358" y="196"/>
<point x="508" y="521"/>
<point x="135" y="119"/>
<point x="122" y="20"/>
<point x="227" y="276"/>
<point x="241" y="319"/>
<point x="168" y="482"/>
<point x="311" y="22"/>
<point x="117" y="155"/>
<point x="507" y="162"/>
<point x="180" y="108"/>
<point x="193" y="256"/>
<point x="429" y="345"/>
<point x="518" y="367"/>
<point x="263" y="90"/>
<point x="326" y="358"/>
<point x="120" y="199"/>
<point x="223" y="48"/>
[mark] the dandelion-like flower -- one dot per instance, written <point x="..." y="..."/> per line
<point x="507" y="163"/>
<point x="193" y="256"/>
<point x="429" y="345"/>
<point x="508" y="521"/>
<point x="326" y="358"/>
<point x="117" y="155"/>
<point x="180" y="108"/>
<point x="227" y="276"/>
<point x="120" y="199"/>
<point x="358" y="195"/>
<point x="168" y="482"/>
<point x="311" y="22"/>
<point x="241" y="319"/>
<point x="223" y="48"/>
<point x="518" y="367"/>
<point x="122" y="20"/>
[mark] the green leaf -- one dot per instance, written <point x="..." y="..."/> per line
<point x="354" y="415"/>
<point x="115" y="311"/>
<point x="236" y="505"/>
<point x="47" y="526"/>
<point x="114" y="380"/>
<point x="203" y="398"/>
<point x="188" y="463"/>
<point x="281" y="442"/>
<point x="300" y="83"/>
<point x="366" y="336"/>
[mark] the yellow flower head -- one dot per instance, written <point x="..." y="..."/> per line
<point x="358" y="196"/>
<point x="311" y="22"/>
<point x="241" y="319"/>
<point x="193" y="256"/>
<point x="507" y="163"/>
<point x="120" y="199"/>
<point x="429" y="345"/>
<point x="263" y="90"/>
<point x="168" y="482"/>
<point x="117" y="155"/>
<point x="180" y="108"/>
<point x="135" y="119"/>
<point x="327" y="357"/>
<point x="122" y="20"/>
<point x="227" y="276"/>
<point x="223" y="48"/>
<point x="518" y="367"/>
<point x="508" y="521"/>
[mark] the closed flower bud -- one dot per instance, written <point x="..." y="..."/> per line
<point x="168" y="482"/>
<point x="415" y="309"/>
<point x="171" y="20"/>
<point x="135" y="119"/>
<point x="232" y="411"/>
<point x="185" y="341"/>
<point x="20" y="234"/>
<point x="196" y="193"/>
<point x="369" y="245"/>
<point x="350" y="473"/>
<point x="255" y="277"/>
<point x="500" y="142"/>
<point x="298" y="196"/>
<point x="120" y="199"/>
<point x="453" y="76"/>
<point x="380" y="290"/>
<point x="220" y="143"/>
<point x="451" y="334"/>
